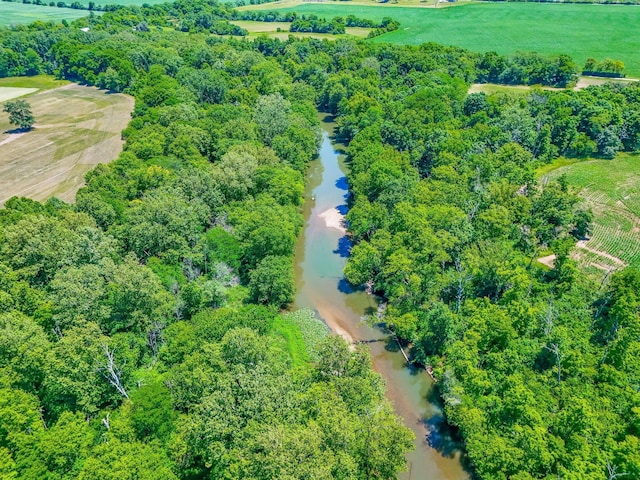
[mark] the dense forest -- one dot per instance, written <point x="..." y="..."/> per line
<point x="140" y="335"/>
<point x="141" y="332"/>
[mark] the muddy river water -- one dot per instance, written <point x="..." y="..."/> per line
<point x="321" y="254"/>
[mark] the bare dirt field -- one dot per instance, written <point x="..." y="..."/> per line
<point x="76" y="128"/>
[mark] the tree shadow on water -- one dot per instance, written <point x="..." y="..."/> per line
<point x="328" y="118"/>
<point x="441" y="436"/>
<point x="345" y="287"/>
<point x="342" y="183"/>
<point x="343" y="209"/>
<point x="344" y="247"/>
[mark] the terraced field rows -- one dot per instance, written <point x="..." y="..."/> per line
<point x="611" y="188"/>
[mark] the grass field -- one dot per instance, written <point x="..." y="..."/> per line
<point x="23" y="13"/>
<point x="599" y="31"/>
<point x="76" y="128"/>
<point x="39" y="82"/>
<point x="612" y="189"/>
<point x="14" y="87"/>
<point x="361" y="3"/>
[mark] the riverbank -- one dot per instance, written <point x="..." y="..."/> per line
<point x="321" y="254"/>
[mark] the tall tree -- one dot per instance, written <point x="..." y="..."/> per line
<point x="19" y="113"/>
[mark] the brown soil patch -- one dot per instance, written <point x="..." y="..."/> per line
<point x="549" y="260"/>
<point x="76" y="128"/>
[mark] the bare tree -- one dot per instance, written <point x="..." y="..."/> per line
<point x="106" y="423"/>
<point x="57" y="331"/>
<point x="154" y="338"/>
<point x="472" y="208"/>
<point x="555" y="349"/>
<point x="111" y="371"/>
<point x="611" y="470"/>
<point x="462" y="280"/>
<point x="548" y="319"/>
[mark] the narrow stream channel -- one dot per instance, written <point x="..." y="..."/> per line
<point x="320" y="259"/>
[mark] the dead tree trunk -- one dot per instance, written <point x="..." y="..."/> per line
<point x="555" y="349"/>
<point x="611" y="471"/>
<point x="111" y="371"/>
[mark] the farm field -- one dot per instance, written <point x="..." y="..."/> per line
<point x="582" y="31"/>
<point x="22" y="13"/>
<point x="76" y="128"/>
<point x="611" y="188"/>
<point x="363" y="3"/>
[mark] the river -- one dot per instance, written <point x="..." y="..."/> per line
<point x="321" y="255"/>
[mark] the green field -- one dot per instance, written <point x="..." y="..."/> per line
<point x="39" y="82"/>
<point x="21" y="13"/>
<point x="612" y="189"/>
<point x="600" y="31"/>
<point x="120" y="2"/>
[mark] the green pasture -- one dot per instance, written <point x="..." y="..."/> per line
<point x="611" y="188"/>
<point x="40" y="82"/>
<point x="121" y="2"/>
<point x="21" y="13"/>
<point x="579" y="30"/>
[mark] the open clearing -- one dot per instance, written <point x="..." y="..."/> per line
<point x="611" y="188"/>
<point x="22" y="13"/>
<point x="271" y="30"/>
<point x="583" y="82"/>
<point x="491" y="88"/>
<point x="582" y="31"/>
<point x="7" y="93"/>
<point x="39" y="82"/>
<point x="76" y="128"/>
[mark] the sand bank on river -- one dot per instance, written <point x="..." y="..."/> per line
<point x="334" y="219"/>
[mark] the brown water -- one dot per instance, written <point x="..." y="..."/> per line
<point x="320" y="258"/>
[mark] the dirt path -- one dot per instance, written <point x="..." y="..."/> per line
<point x="583" y="245"/>
<point x="584" y="82"/>
<point x="76" y="128"/>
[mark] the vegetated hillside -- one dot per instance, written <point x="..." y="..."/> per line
<point x="538" y="367"/>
